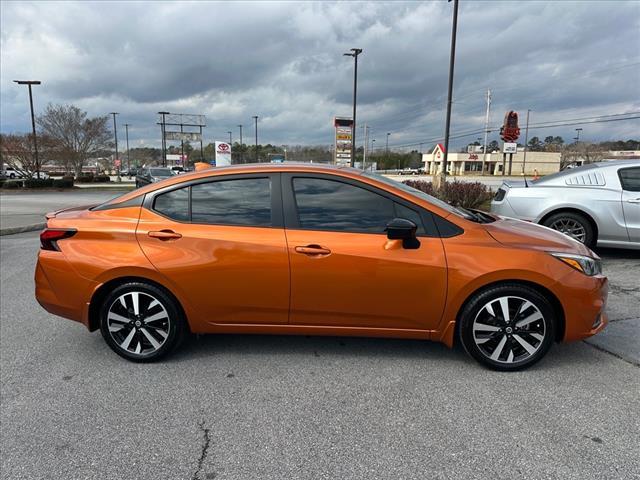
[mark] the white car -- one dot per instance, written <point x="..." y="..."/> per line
<point x="596" y="204"/>
<point x="10" y="172"/>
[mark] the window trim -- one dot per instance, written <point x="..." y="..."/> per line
<point x="290" y="208"/>
<point x="276" y="203"/>
<point x="620" y="170"/>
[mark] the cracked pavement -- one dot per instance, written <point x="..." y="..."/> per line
<point x="273" y="407"/>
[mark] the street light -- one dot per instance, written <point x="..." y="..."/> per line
<point x="115" y="134"/>
<point x="33" y="120"/>
<point x="241" y="154"/>
<point x="126" y="129"/>
<point x="577" y="137"/>
<point x="354" y="53"/>
<point x="255" y="118"/>
<point x="164" y="140"/>
<point x="230" y="140"/>
<point x="452" y="59"/>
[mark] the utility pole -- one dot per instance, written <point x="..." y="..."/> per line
<point x="164" y="139"/>
<point x="126" y="129"/>
<point x="241" y="154"/>
<point x="115" y="134"/>
<point x="486" y="131"/>
<point x="366" y="146"/>
<point x="452" y="59"/>
<point x="255" y="119"/>
<point x="526" y="142"/>
<point x="577" y="137"/>
<point x="354" y="53"/>
<point x="386" y="149"/>
<point x="29" y="83"/>
<point x="230" y="140"/>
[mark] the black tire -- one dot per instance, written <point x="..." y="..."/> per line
<point x="481" y="342"/>
<point x="167" y="331"/>
<point x="558" y="221"/>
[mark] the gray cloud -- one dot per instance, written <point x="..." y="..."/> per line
<point x="283" y="61"/>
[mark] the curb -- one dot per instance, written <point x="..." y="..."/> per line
<point x="23" y="228"/>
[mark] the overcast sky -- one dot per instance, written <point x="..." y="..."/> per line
<point x="284" y="62"/>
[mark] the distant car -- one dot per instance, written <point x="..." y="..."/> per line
<point x="409" y="171"/>
<point x="10" y="172"/>
<point x="132" y="172"/>
<point x="146" y="176"/>
<point x="596" y="204"/>
<point x="177" y="170"/>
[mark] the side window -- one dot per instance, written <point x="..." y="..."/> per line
<point x="232" y="202"/>
<point x="630" y="179"/>
<point x="410" y="214"/>
<point x="173" y="204"/>
<point x="333" y="205"/>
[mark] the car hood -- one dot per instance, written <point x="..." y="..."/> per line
<point x="518" y="233"/>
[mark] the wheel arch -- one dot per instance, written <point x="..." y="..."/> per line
<point x="103" y="290"/>
<point x="544" y="291"/>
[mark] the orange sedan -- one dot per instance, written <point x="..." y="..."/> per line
<point x="314" y="250"/>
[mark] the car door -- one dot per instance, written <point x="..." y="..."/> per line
<point x="344" y="270"/>
<point x="221" y="241"/>
<point x="630" y="181"/>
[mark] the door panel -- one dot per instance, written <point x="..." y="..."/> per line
<point x="234" y="274"/>
<point x="366" y="281"/>
<point x="630" y="180"/>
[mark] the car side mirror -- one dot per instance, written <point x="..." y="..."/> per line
<point x="405" y="230"/>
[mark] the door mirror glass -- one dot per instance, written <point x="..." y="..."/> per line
<point x="405" y="230"/>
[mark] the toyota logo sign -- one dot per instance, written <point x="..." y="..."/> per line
<point x="223" y="147"/>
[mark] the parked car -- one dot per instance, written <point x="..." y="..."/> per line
<point x="286" y="249"/>
<point x="177" y="170"/>
<point x="10" y="172"/>
<point x="596" y="204"/>
<point x="408" y="171"/>
<point x="149" y="175"/>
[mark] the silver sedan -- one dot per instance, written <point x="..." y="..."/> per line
<point x="597" y="204"/>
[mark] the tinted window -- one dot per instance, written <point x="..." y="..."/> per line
<point x="630" y="179"/>
<point x="232" y="202"/>
<point x="333" y="205"/>
<point x="161" y="172"/>
<point x="173" y="204"/>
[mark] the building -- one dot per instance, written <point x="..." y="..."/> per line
<point x="471" y="163"/>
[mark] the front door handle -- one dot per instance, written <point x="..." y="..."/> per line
<point x="313" y="251"/>
<point x="634" y="200"/>
<point x="164" y="235"/>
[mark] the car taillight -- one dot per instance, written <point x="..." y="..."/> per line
<point x="50" y="236"/>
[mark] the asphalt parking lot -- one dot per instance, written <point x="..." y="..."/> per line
<point x="273" y="407"/>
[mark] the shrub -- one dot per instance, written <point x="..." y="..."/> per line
<point x="38" y="183"/>
<point x="459" y="194"/>
<point x="12" y="184"/>
<point x="69" y="178"/>
<point x="85" y="178"/>
<point x="101" y="179"/>
<point x="63" y="183"/>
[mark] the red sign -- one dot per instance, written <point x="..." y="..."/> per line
<point x="116" y="162"/>
<point x="509" y="132"/>
<point x="223" y="147"/>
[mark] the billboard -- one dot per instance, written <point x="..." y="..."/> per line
<point x="223" y="154"/>
<point x="183" y="136"/>
<point x="342" y="142"/>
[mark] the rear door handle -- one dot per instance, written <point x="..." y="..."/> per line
<point x="634" y="200"/>
<point x="164" y="235"/>
<point x="313" y="251"/>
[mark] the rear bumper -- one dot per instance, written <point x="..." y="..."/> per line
<point x="60" y="290"/>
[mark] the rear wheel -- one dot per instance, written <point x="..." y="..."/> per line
<point x="575" y="225"/>
<point x="141" y="322"/>
<point x="507" y="327"/>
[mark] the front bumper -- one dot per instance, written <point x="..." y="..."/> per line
<point x="584" y="303"/>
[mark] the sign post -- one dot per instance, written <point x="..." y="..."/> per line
<point x="509" y="132"/>
<point x="223" y="154"/>
<point x="343" y="135"/>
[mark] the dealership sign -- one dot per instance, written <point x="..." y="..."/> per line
<point x="223" y="154"/>
<point x="183" y="136"/>
<point x="509" y="132"/>
<point x="510" y="147"/>
<point x="342" y="140"/>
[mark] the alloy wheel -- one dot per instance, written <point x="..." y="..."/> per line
<point x="138" y="323"/>
<point x="570" y="227"/>
<point x="509" y="329"/>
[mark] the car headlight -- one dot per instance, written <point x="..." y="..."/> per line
<point x="587" y="265"/>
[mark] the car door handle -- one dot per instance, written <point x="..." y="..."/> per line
<point x="164" y="235"/>
<point x="634" y="200"/>
<point x="313" y="251"/>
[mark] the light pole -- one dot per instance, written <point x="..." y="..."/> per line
<point x="230" y="139"/>
<point x="255" y="118"/>
<point x="452" y="59"/>
<point x="115" y="134"/>
<point x="241" y="154"/>
<point x="577" y="137"/>
<point x="33" y="121"/>
<point x="126" y="129"/>
<point x="164" y="140"/>
<point x="526" y="142"/>
<point x="354" y="53"/>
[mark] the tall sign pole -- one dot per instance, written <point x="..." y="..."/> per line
<point x="452" y="59"/>
<point x="164" y="138"/>
<point x="526" y="141"/>
<point x="354" y="53"/>
<point x="486" y="132"/>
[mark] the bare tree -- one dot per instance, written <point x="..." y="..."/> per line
<point x="16" y="151"/>
<point x="79" y="138"/>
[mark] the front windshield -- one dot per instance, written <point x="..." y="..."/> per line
<point x="417" y="193"/>
<point x="160" y="172"/>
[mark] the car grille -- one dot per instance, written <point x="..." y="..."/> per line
<point x="500" y="195"/>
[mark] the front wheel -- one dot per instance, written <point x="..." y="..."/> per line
<point x="141" y="322"/>
<point x="507" y="327"/>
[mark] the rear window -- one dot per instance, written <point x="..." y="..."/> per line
<point x="630" y="179"/>
<point x="160" y="172"/>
